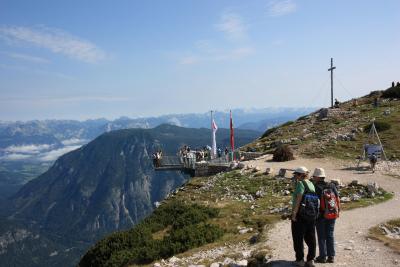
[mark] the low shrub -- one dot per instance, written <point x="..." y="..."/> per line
<point x="283" y="153"/>
<point x="379" y="125"/>
<point x="393" y="92"/>
<point x="302" y="118"/>
<point x="287" y="123"/>
<point x="187" y="228"/>
<point x="375" y="93"/>
<point x="269" y="132"/>
<point x="273" y="129"/>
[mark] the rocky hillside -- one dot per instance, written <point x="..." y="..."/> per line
<point x="340" y="132"/>
<point x="106" y="185"/>
<point x="250" y="200"/>
<point x="221" y="220"/>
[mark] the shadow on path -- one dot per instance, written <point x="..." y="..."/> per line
<point x="362" y="169"/>
<point x="281" y="263"/>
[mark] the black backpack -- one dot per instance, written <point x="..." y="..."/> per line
<point x="309" y="205"/>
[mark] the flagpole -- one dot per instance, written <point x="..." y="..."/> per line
<point x="212" y="136"/>
<point x="214" y="129"/>
<point x="232" y="136"/>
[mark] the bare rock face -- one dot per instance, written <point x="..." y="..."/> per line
<point x="269" y="170"/>
<point x="112" y="187"/>
<point x="107" y="185"/>
<point x="323" y="113"/>
<point x="373" y="188"/>
<point x="11" y="237"/>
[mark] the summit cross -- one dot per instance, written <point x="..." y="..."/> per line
<point x="331" y="70"/>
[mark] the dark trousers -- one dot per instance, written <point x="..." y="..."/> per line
<point x="302" y="230"/>
<point x="326" y="241"/>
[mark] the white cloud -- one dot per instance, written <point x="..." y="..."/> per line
<point x="232" y="25"/>
<point x="15" y="156"/>
<point x="277" y="8"/>
<point x="56" y="40"/>
<point x="55" y="154"/>
<point x="27" y="57"/>
<point x="174" y="121"/>
<point x="73" y="141"/>
<point x="27" y="149"/>
<point x="40" y="152"/>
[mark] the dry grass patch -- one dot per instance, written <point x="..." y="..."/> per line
<point x="379" y="234"/>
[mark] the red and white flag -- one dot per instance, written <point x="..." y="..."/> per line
<point x="214" y="126"/>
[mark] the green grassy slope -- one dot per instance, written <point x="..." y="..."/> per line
<point x="313" y="137"/>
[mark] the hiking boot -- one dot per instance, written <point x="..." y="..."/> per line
<point x="299" y="263"/>
<point x="320" y="259"/>
<point x="310" y="264"/>
<point x="331" y="259"/>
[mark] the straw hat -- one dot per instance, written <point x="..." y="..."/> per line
<point x="319" y="172"/>
<point x="302" y="170"/>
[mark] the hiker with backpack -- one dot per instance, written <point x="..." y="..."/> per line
<point x="305" y="208"/>
<point x="373" y="159"/>
<point x="329" y="212"/>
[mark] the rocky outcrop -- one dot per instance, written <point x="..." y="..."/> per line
<point x="107" y="185"/>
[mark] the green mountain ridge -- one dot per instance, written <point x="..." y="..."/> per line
<point x="107" y="185"/>
<point x="343" y="132"/>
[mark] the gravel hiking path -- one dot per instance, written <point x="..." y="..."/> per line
<point x="353" y="247"/>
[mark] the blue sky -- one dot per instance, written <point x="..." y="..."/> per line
<point x="90" y="59"/>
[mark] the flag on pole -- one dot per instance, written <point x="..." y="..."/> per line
<point x="232" y="133"/>
<point x="214" y="128"/>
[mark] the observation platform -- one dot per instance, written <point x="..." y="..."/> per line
<point x="193" y="166"/>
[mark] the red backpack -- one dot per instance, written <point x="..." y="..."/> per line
<point x="329" y="204"/>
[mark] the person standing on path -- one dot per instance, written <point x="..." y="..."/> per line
<point x="373" y="159"/>
<point x="330" y="207"/>
<point x="302" y="230"/>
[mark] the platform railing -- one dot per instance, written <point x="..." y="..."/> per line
<point x="188" y="160"/>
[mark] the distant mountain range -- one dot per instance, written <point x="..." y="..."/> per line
<point x="46" y="140"/>
<point x="106" y="185"/>
<point x="27" y="149"/>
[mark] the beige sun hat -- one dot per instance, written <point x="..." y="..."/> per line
<point x="301" y="169"/>
<point x="319" y="172"/>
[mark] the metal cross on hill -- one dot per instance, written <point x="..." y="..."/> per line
<point x="331" y="70"/>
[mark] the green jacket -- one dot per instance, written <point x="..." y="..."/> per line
<point x="300" y="190"/>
